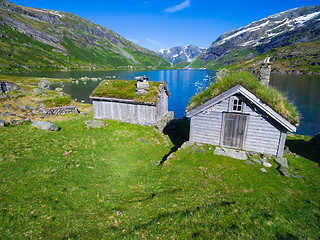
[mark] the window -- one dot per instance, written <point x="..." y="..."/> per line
<point x="237" y="105"/>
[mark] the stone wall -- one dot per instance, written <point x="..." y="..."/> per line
<point x="60" y="110"/>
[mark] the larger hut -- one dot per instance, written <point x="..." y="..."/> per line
<point x="237" y="118"/>
<point x="140" y="102"/>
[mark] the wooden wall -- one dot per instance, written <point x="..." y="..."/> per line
<point x="131" y="112"/>
<point x="263" y="134"/>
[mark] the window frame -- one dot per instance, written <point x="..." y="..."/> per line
<point x="232" y="104"/>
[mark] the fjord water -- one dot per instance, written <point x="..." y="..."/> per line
<point x="302" y="90"/>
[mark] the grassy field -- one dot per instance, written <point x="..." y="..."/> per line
<point x="111" y="186"/>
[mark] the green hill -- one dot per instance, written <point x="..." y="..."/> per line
<point x="37" y="39"/>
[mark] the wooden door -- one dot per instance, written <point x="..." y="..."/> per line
<point x="234" y="130"/>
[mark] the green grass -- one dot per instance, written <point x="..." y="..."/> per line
<point x="56" y="102"/>
<point x="122" y="89"/>
<point x="50" y="196"/>
<point x="268" y="95"/>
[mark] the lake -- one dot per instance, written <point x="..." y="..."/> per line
<point x="302" y="90"/>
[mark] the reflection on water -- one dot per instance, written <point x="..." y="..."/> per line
<point x="302" y="90"/>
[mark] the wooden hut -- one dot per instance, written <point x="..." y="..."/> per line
<point x="239" y="119"/>
<point x="140" y="102"/>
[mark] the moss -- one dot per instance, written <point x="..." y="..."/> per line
<point x="122" y="89"/>
<point x="57" y="102"/>
<point x="268" y="95"/>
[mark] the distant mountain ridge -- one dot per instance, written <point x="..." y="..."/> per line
<point x="294" y="26"/>
<point x="179" y="54"/>
<point x="53" y="40"/>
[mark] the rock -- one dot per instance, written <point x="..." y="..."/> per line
<point x="266" y="164"/>
<point x="94" y="124"/>
<point x="2" y="123"/>
<point x="58" y="89"/>
<point x="248" y="162"/>
<point x="82" y="113"/>
<point x="38" y="91"/>
<point x="5" y="114"/>
<point x="20" y="122"/>
<point x="253" y="154"/>
<point x="315" y="140"/>
<point x="45" y="125"/>
<point x="45" y="84"/>
<point x="187" y="144"/>
<point x="284" y="169"/>
<point x="24" y="107"/>
<point x="264" y="160"/>
<point x="231" y="153"/>
<point x="4" y="96"/>
<point x="119" y="213"/>
<point x="62" y="94"/>
<point x="263" y="170"/>
<point x="8" y="87"/>
<point x="255" y="160"/>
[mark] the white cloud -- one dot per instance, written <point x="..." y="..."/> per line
<point x="154" y="42"/>
<point x="133" y="40"/>
<point x="181" y="6"/>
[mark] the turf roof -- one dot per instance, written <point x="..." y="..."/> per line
<point x="123" y="89"/>
<point x="273" y="98"/>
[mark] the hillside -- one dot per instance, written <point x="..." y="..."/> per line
<point x="180" y="54"/>
<point x="37" y="39"/>
<point x="296" y="26"/>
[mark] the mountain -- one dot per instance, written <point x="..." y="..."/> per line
<point x="38" y="39"/>
<point x="179" y="54"/>
<point x="296" y="26"/>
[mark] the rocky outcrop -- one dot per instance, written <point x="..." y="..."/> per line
<point x="6" y="87"/>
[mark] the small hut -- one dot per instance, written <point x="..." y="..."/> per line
<point x="140" y="102"/>
<point x="238" y="119"/>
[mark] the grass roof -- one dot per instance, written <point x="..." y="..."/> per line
<point x="273" y="98"/>
<point x="122" y="89"/>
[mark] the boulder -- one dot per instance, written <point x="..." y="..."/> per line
<point x="2" y="123"/>
<point x="38" y="91"/>
<point x="58" y="89"/>
<point x="8" y="87"/>
<point x="283" y="163"/>
<point x="45" y="125"/>
<point x="94" y="124"/>
<point x="45" y="84"/>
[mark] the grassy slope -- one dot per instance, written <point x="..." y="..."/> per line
<point x="301" y="57"/>
<point x="47" y="195"/>
<point x="44" y="194"/>
<point x="84" y="50"/>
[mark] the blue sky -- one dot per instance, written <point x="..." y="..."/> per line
<point x="157" y="24"/>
